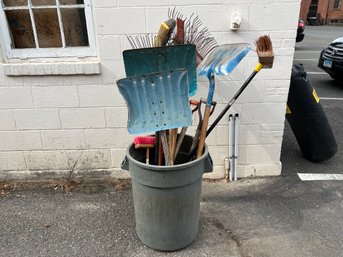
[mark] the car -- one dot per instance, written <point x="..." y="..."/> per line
<point x="331" y="59"/>
<point x="300" y="31"/>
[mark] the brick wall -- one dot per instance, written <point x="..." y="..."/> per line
<point x="304" y="9"/>
<point x="325" y="11"/>
<point x="50" y="125"/>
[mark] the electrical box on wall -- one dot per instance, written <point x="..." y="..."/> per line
<point x="236" y="20"/>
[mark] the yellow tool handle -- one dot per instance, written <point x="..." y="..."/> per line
<point x="258" y="67"/>
<point x="162" y="35"/>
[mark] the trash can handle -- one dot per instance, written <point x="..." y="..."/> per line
<point x="208" y="164"/>
<point x="125" y="164"/>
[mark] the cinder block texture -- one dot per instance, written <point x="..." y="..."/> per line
<point x="12" y="161"/>
<point x="66" y="114"/>
<point x="106" y="138"/>
<point x="68" y="160"/>
<point x="55" y="96"/>
<point x="120" y="21"/>
<point x="97" y="95"/>
<point x="63" y="139"/>
<point x="83" y="118"/>
<point x="15" y="97"/>
<point x="20" y="140"/>
<point x="37" y="119"/>
<point x="7" y="120"/>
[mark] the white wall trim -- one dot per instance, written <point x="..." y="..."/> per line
<point x="52" y="68"/>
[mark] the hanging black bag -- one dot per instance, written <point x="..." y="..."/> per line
<point x="307" y="118"/>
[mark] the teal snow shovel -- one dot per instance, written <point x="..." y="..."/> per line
<point x="221" y="61"/>
<point x="157" y="59"/>
<point x="157" y="101"/>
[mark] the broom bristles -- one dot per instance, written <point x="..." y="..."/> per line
<point x="264" y="44"/>
<point x="264" y="49"/>
<point x="144" y="141"/>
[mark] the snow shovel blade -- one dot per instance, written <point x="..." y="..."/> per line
<point x="151" y="60"/>
<point x="157" y="101"/>
<point x="222" y="60"/>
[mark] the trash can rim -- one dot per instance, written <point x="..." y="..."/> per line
<point x="153" y="167"/>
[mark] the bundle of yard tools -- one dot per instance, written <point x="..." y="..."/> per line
<point x="161" y="77"/>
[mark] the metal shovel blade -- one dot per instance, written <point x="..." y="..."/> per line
<point x="223" y="59"/>
<point x="157" y="101"/>
<point x="151" y="60"/>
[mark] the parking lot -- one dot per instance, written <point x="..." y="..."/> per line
<point x="331" y="98"/>
<point x="263" y="217"/>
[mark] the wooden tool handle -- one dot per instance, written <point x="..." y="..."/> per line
<point x="180" y="140"/>
<point x="203" y="131"/>
<point x="165" y="147"/>
<point x="172" y="145"/>
<point x="147" y="154"/>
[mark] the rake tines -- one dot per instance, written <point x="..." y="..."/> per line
<point x="172" y="13"/>
<point x="194" y="34"/>
<point x="141" y="41"/>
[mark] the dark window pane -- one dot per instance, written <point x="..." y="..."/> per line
<point x="65" y="2"/>
<point x="15" y="2"/>
<point x="21" y="29"/>
<point x="75" y="30"/>
<point x="43" y="2"/>
<point x="336" y="4"/>
<point x="47" y="27"/>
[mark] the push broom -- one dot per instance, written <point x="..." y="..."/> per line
<point x="264" y="49"/>
<point x="146" y="142"/>
<point x="221" y="61"/>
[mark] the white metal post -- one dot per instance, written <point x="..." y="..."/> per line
<point x="231" y="142"/>
<point x="236" y="121"/>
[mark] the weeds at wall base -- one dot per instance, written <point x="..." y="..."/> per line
<point x="63" y="185"/>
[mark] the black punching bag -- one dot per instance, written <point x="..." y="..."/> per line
<point x="307" y="118"/>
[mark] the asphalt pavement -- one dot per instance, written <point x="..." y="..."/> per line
<point x="330" y="93"/>
<point x="262" y="217"/>
<point x="274" y="217"/>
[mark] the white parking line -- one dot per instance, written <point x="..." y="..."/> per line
<point x="305" y="60"/>
<point x="331" y="98"/>
<point x="307" y="51"/>
<point x="316" y="177"/>
<point x="316" y="73"/>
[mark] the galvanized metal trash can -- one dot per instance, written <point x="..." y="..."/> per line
<point x="167" y="198"/>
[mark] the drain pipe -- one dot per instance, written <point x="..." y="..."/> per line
<point x="236" y="121"/>
<point x="231" y="148"/>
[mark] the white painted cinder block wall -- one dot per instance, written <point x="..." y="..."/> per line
<point x="50" y="125"/>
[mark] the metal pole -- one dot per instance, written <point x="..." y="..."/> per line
<point x="235" y="175"/>
<point x="231" y="142"/>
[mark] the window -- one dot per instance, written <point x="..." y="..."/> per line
<point x="47" y="28"/>
<point x="313" y="8"/>
<point x="337" y="4"/>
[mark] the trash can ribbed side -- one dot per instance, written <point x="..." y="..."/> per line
<point x="167" y="219"/>
<point x="167" y="198"/>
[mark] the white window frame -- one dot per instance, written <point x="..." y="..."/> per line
<point x="28" y="53"/>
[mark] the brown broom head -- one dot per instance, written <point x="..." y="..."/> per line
<point x="264" y="49"/>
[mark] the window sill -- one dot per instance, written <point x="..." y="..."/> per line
<point x="52" y="68"/>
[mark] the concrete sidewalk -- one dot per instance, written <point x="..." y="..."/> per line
<point x="250" y="218"/>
